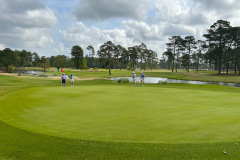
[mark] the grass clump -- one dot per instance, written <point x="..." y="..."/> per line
<point x="162" y="82"/>
<point x="123" y="80"/>
<point x="95" y="69"/>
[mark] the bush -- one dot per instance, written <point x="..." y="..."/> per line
<point x="128" y="68"/>
<point x="95" y="69"/>
<point x="10" y="69"/>
<point x="123" y="80"/>
<point x="162" y="82"/>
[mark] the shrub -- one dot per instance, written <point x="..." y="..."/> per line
<point x="128" y="68"/>
<point x="123" y="80"/>
<point x="10" y="69"/>
<point x="162" y="82"/>
<point x="95" y="69"/>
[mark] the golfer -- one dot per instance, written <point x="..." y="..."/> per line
<point x="142" y="79"/>
<point x="63" y="78"/>
<point x="134" y="79"/>
<point x="71" y="80"/>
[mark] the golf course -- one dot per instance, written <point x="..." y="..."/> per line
<point x="100" y="118"/>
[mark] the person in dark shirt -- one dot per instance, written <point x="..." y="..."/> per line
<point x="63" y="78"/>
<point x="142" y="79"/>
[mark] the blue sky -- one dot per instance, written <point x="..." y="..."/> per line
<point x="52" y="27"/>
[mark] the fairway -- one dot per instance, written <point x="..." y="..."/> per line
<point x="125" y="114"/>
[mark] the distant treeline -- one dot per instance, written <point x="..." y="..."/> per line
<point x="220" y="51"/>
<point x="108" y="56"/>
<point x="10" y="59"/>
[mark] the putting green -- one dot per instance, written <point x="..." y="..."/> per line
<point x="125" y="113"/>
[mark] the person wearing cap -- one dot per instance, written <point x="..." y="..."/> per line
<point x="134" y="79"/>
<point x="142" y="79"/>
<point x="63" y="78"/>
<point x="71" y="80"/>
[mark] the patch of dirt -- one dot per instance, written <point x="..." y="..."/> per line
<point x="50" y="78"/>
<point x="94" y="71"/>
<point x="225" y="74"/>
<point x="13" y="75"/>
<point x="87" y="79"/>
<point x="79" y="70"/>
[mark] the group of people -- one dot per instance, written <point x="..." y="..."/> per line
<point x="64" y="78"/>
<point x="141" y="79"/>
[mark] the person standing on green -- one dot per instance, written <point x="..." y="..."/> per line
<point x="63" y="78"/>
<point x="142" y="79"/>
<point x="134" y="79"/>
<point x="71" y="80"/>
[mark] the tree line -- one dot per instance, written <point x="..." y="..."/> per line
<point x="220" y="51"/>
<point x="114" y="56"/>
<point x="10" y="59"/>
<point x="108" y="56"/>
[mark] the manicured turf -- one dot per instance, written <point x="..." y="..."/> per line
<point x="104" y="120"/>
<point x="125" y="113"/>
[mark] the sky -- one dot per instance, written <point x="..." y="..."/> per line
<point x="52" y="27"/>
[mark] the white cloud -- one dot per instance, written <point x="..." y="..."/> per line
<point x="43" y="18"/>
<point x="133" y="33"/>
<point x="2" y="46"/>
<point x="83" y="36"/>
<point x="26" y="25"/>
<point x="141" y="31"/>
<point x="106" y="9"/>
<point x="186" y="17"/>
<point x="197" y="13"/>
<point x="19" y="6"/>
<point x="52" y="28"/>
<point x="182" y="30"/>
<point x="220" y="6"/>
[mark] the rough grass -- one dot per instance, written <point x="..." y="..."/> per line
<point x="181" y="74"/>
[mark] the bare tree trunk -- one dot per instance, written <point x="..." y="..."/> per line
<point x="235" y="67"/>
<point x="238" y="69"/>
<point x="219" y="70"/>
<point x="172" y="66"/>
<point x="220" y="67"/>
<point x="197" y="65"/>
<point x="227" y="67"/>
<point x="109" y="69"/>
